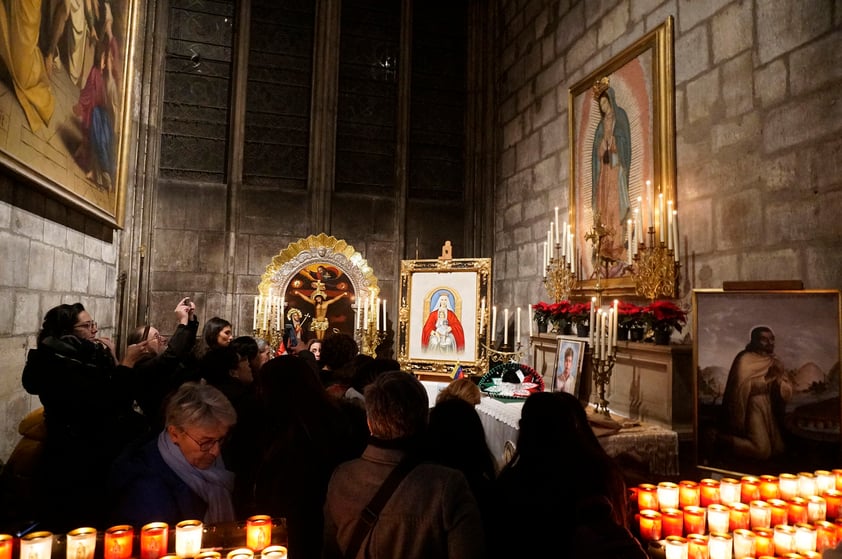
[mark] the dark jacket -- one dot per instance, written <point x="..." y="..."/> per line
<point x="145" y="489"/>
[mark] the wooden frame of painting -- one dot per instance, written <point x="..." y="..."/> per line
<point x="637" y="87"/>
<point x="325" y="264"/>
<point x="767" y="380"/>
<point x="444" y="316"/>
<point x="65" y="126"/>
<point x="576" y="350"/>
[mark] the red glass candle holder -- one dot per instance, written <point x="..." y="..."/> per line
<point x="838" y="473"/>
<point x="697" y="546"/>
<point x="764" y="542"/>
<point x="153" y="540"/>
<point x="647" y="497"/>
<point x="833" y="498"/>
<point x="672" y="523"/>
<point x="826" y="535"/>
<point x="650" y="525"/>
<point x="779" y="511"/>
<point x="118" y="542"/>
<point x="7" y="543"/>
<point x="749" y="489"/>
<point x="709" y="494"/>
<point x="694" y="520"/>
<point x="688" y="494"/>
<point x="796" y="511"/>
<point x="769" y="487"/>
<point x="258" y="532"/>
<point x="740" y="517"/>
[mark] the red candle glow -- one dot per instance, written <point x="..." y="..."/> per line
<point x="749" y="489"/>
<point x="153" y="540"/>
<point x="672" y="522"/>
<point x="694" y="520"/>
<point x="709" y="492"/>
<point x="688" y="494"/>
<point x="647" y="497"/>
<point x="779" y="511"/>
<point x="740" y="517"/>
<point x="764" y="542"/>
<point x="797" y="511"/>
<point x="697" y="546"/>
<point x="650" y="525"/>
<point x="6" y="545"/>
<point x="833" y="498"/>
<point x="838" y="474"/>
<point x="118" y="542"/>
<point x="826" y="536"/>
<point x="258" y="531"/>
<point x="769" y="487"/>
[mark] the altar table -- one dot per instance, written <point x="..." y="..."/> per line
<point x="655" y="445"/>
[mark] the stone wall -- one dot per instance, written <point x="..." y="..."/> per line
<point x="758" y="121"/>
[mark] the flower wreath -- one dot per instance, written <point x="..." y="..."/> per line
<point x="511" y="380"/>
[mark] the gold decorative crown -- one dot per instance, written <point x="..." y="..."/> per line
<point x="600" y="86"/>
<point x="320" y="290"/>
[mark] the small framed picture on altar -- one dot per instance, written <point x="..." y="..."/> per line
<point x="767" y="380"/>
<point x="444" y="316"/>
<point x="568" y="368"/>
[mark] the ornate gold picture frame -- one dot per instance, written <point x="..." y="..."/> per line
<point x="64" y="123"/>
<point x="616" y="148"/>
<point x="444" y="311"/>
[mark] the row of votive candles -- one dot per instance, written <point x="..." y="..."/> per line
<point x="118" y="542"/>
<point x="789" y="511"/>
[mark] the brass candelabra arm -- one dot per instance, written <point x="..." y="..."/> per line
<point x="559" y="281"/>
<point x="656" y="271"/>
<point x="603" y="366"/>
<point x="370" y="338"/>
<point x="502" y="356"/>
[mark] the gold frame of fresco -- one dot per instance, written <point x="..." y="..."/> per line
<point x="649" y="59"/>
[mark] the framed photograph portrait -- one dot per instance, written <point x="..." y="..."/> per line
<point x="65" y="83"/>
<point x="444" y="315"/>
<point x="767" y="380"/>
<point x="568" y="368"/>
<point x="622" y="134"/>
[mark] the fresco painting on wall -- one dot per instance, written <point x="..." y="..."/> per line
<point x="767" y="380"/>
<point x="65" y="82"/>
<point x="621" y="135"/>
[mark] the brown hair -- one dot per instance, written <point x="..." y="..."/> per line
<point x="462" y="388"/>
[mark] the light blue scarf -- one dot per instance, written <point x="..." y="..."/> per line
<point x="213" y="485"/>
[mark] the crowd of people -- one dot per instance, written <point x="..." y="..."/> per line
<point x="218" y="427"/>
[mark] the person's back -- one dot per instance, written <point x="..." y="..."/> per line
<point x="585" y="495"/>
<point x="431" y="513"/>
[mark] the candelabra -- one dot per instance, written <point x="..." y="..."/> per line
<point x="602" y="367"/>
<point x="657" y="272"/>
<point x="268" y="320"/>
<point x="559" y="278"/>
<point x="497" y="356"/>
<point x="370" y="335"/>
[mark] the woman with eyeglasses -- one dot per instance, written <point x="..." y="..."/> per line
<point x="179" y="474"/>
<point x="87" y="398"/>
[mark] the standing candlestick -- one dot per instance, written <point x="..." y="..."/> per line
<point x="506" y="326"/>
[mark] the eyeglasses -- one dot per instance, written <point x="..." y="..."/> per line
<point x="207" y="445"/>
<point x="158" y="337"/>
<point x="89" y="325"/>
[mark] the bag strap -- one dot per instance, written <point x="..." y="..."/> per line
<point x="371" y="512"/>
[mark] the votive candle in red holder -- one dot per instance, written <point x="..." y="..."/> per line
<point x="729" y="491"/>
<point x="833" y="498"/>
<point x="749" y="489"/>
<point x="672" y="522"/>
<point x="796" y="511"/>
<point x="7" y="543"/>
<point x="761" y="514"/>
<point x="779" y="511"/>
<point x="825" y="480"/>
<point x="697" y="546"/>
<point x="650" y="525"/>
<point x="764" y="541"/>
<point x="153" y="540"/>
<point x="118" y="541"/>
<point x="688" y="494"/>
<point x="647" y="496"/>
<point x="739" y="517"/>
<point x="258" y="531"/>
<point x="719" y="518"/>
<point x="667" y="495"/>
<point x="694" y="520"/>
<point x="709" y="494"/>
<point x="788" y="485"/>
<point x="826" y="535"/>
<point x="769" y="487"/>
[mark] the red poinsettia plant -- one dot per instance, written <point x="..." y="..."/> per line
<point x="580" y="313"/>
<point x="665" y="315"/>
<point x="556" y="313"/>
<point x="630" y="315"/>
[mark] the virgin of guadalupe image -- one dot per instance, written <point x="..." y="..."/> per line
<point x="611" y="160"/>
<point x="442" y="331"/>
